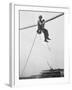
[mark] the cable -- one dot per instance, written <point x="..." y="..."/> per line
<point x="45" y="21"/>
<point x="54" y="17"/>
<point x="29" y="53"/>
<point x="27" y="27"/>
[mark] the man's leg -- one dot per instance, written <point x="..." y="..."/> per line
<point x="45" y="35"/>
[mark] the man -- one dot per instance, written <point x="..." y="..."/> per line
<point x="41" y="24"/>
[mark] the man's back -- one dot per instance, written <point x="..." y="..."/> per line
<point x="39" y="25"/>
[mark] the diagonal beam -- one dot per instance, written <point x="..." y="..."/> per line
<point x="45" y="21"/>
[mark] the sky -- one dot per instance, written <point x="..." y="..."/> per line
<point x="42" y="52"/>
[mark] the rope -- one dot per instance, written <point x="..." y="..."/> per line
<point x="45" y="21"/>
<point x="29" y="53"/>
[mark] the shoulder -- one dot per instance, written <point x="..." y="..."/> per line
<point x="38" y="21"/>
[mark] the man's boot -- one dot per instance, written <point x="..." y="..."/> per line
<point x="45" y="40"/>
<point x="48" y="38"/>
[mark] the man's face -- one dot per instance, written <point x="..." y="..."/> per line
<point x="40" y="18"/>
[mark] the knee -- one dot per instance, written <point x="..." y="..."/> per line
<point x="39" y="31"/>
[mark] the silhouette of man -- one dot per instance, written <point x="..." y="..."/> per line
<point x="41" y="24"/>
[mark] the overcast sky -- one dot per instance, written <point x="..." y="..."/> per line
<point x="42" y="52"/>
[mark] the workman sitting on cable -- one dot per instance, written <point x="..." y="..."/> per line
<point x="41" y="24"/>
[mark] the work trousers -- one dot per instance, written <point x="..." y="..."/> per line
<point x="46" y="34"/>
